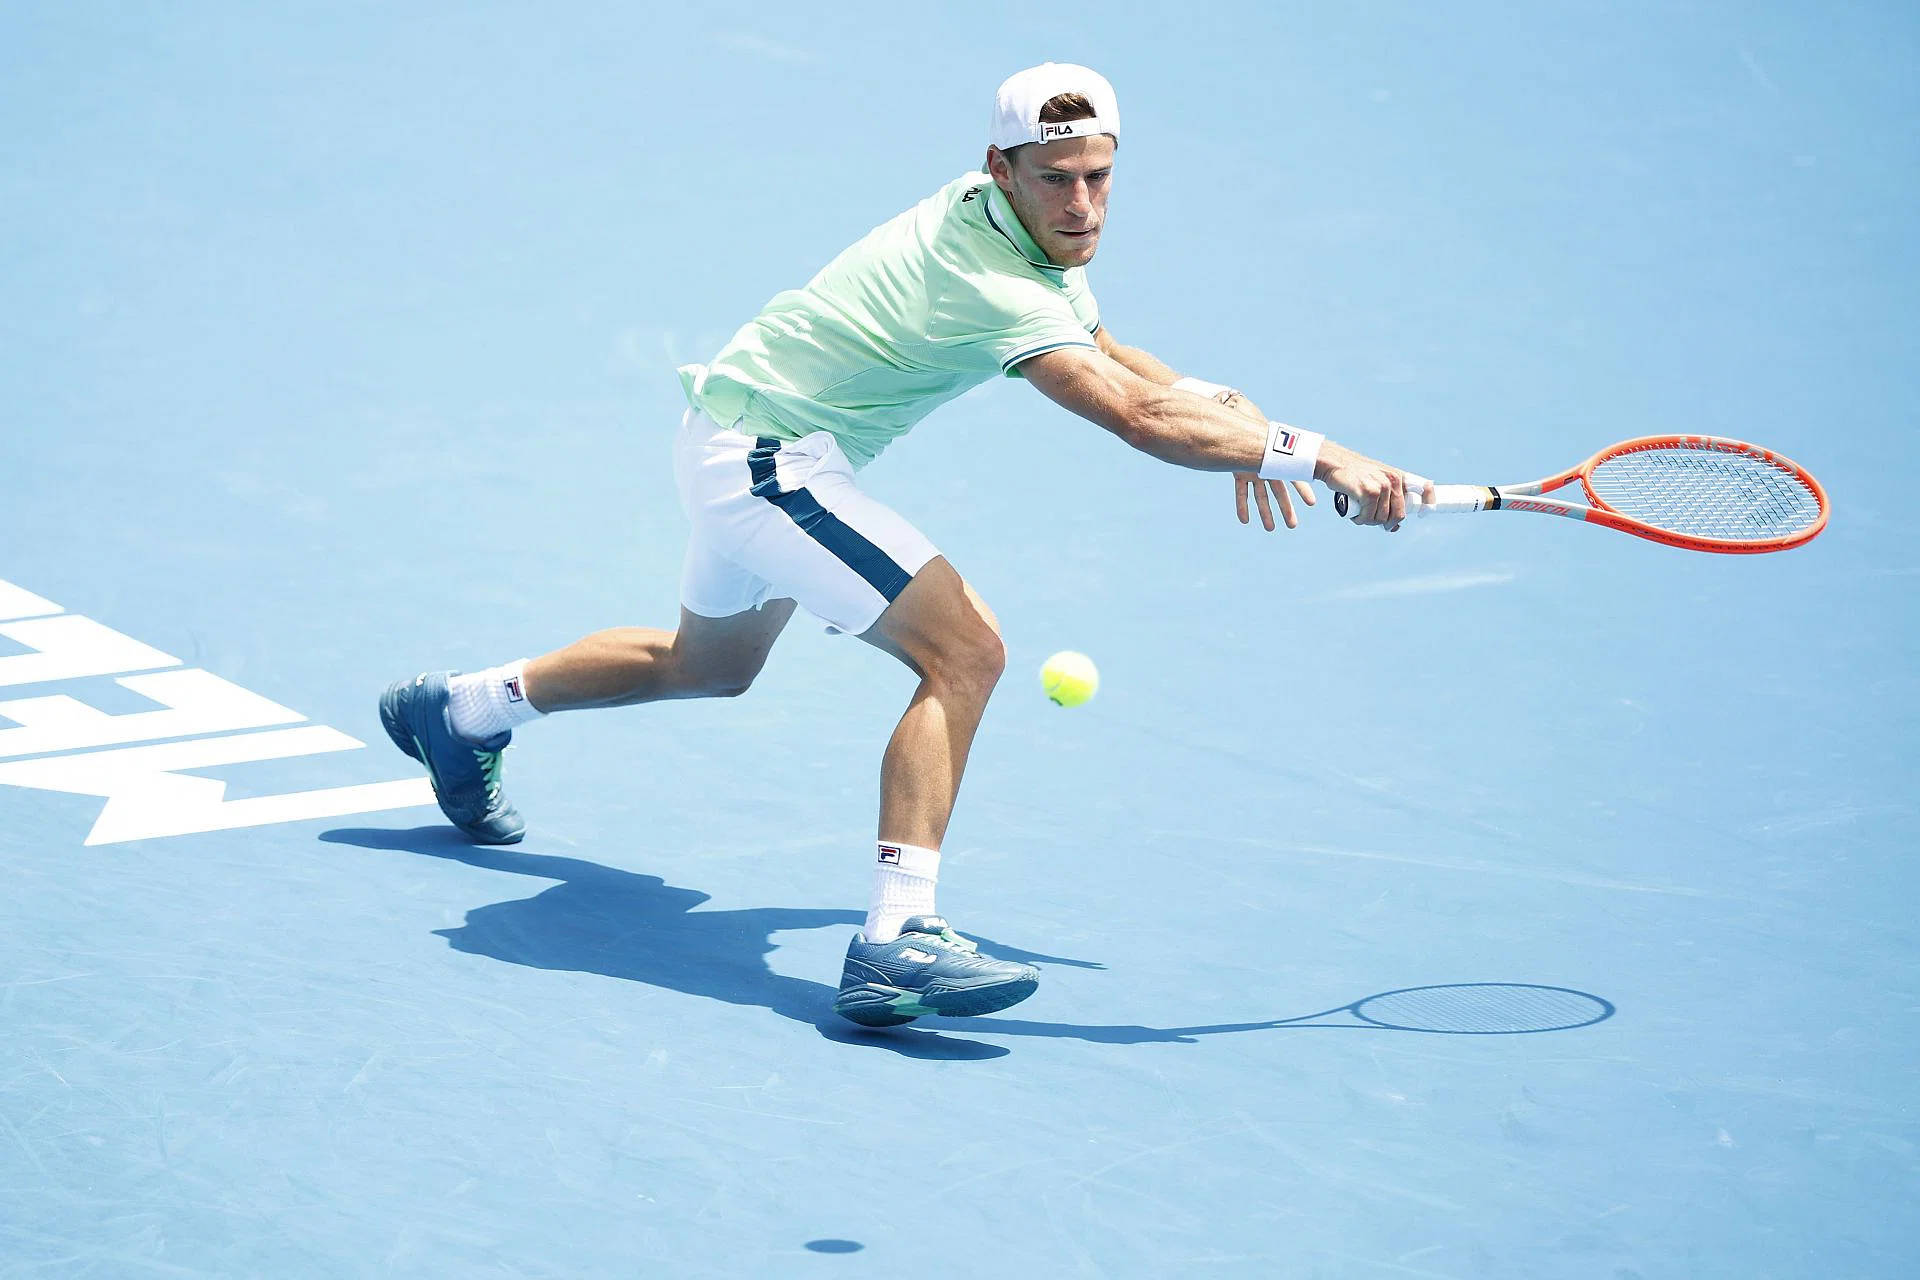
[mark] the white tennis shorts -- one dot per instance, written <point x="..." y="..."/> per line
<point x="783" y="519"/>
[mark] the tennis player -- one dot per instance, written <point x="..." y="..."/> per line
<point x="985" y="278"/>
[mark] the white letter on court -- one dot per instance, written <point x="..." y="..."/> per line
<point x="71" y="646"/>
<point x="198" y="701"/>
<point x="18" y="602"/>
<point x="146" y="798"/>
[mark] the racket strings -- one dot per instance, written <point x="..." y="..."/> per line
<point x="1706" y="492"/>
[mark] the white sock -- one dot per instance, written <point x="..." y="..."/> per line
<point x="903" y="882"/>
<point x="488" y="703"/>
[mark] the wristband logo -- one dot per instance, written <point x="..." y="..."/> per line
<point x="514" y="692"/>
<point x="1284" y="439"/>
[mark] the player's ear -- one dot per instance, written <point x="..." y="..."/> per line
<point x="1000" y="165"/>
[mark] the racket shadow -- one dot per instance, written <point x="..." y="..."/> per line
<point x="1447" y="1009"/>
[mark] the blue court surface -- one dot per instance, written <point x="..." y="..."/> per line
<point x="338" y="345"/>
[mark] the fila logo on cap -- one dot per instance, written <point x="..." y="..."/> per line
<point x="1050" y="131"/>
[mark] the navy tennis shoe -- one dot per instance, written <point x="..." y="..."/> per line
<point x="928" y="969"/>
<point x="465" y="775"/>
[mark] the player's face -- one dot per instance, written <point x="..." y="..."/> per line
<point x="1059" y="190"/>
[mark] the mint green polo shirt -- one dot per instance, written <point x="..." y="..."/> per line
<point x="921" y="309"/>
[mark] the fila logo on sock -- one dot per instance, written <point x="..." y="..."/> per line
<point x="1284" y="440"/>
<point x="514" y="693"/>
<point x="890" y="853"/>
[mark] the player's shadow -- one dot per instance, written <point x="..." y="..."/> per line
<point x="621" y="924"/>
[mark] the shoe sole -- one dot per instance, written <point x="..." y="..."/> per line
<point x="873" y="1004"/>
<point x="390" y="721"/>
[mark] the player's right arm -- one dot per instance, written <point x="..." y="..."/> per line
<point x="1195" y="432"/>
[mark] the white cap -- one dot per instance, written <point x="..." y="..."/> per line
<point x="1016" y="108"/>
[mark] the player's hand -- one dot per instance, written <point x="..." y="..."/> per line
<point x="1376" y="493"/>
<point x="1250" y="480"/>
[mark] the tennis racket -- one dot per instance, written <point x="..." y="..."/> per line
<point x="1700" y="493"/>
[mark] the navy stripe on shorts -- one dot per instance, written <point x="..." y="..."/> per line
<point x="820" y="524"/>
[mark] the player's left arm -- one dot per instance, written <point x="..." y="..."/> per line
<point x="1156" y="371"/>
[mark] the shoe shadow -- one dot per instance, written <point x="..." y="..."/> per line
<point x="638" y="928"/>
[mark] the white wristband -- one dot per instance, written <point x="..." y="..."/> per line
<point x="1290" y="453"/>
<point x="1201" y="387"/>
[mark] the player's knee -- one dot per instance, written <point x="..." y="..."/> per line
<point x="993" y="657"/>
<point x="714" y="684"/>
<point x="728" y="684"/>
<point x="975" y="664"/>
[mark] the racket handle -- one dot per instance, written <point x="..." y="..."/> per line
<point x="1343" y="506"/>
<point x="1447" y="499"/>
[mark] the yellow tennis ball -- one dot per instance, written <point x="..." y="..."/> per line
<point x="1069" y="678"/>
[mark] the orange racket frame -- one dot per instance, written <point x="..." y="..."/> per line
<point x="1758" y="461"/>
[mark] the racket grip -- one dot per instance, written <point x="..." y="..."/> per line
<point x="1343" y="506"/>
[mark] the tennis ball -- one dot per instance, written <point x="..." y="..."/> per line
<point x="1069" y="678"/>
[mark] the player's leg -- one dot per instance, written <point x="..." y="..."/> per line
<point x="790" y="513"/>
<point x="806" y="530"/>
<point x="729" y="620"/>
<point x="705" y="658"/>
<point x="458" y="725"/>
<point x="946" y="634"/>
<point x="907" y="962"/>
